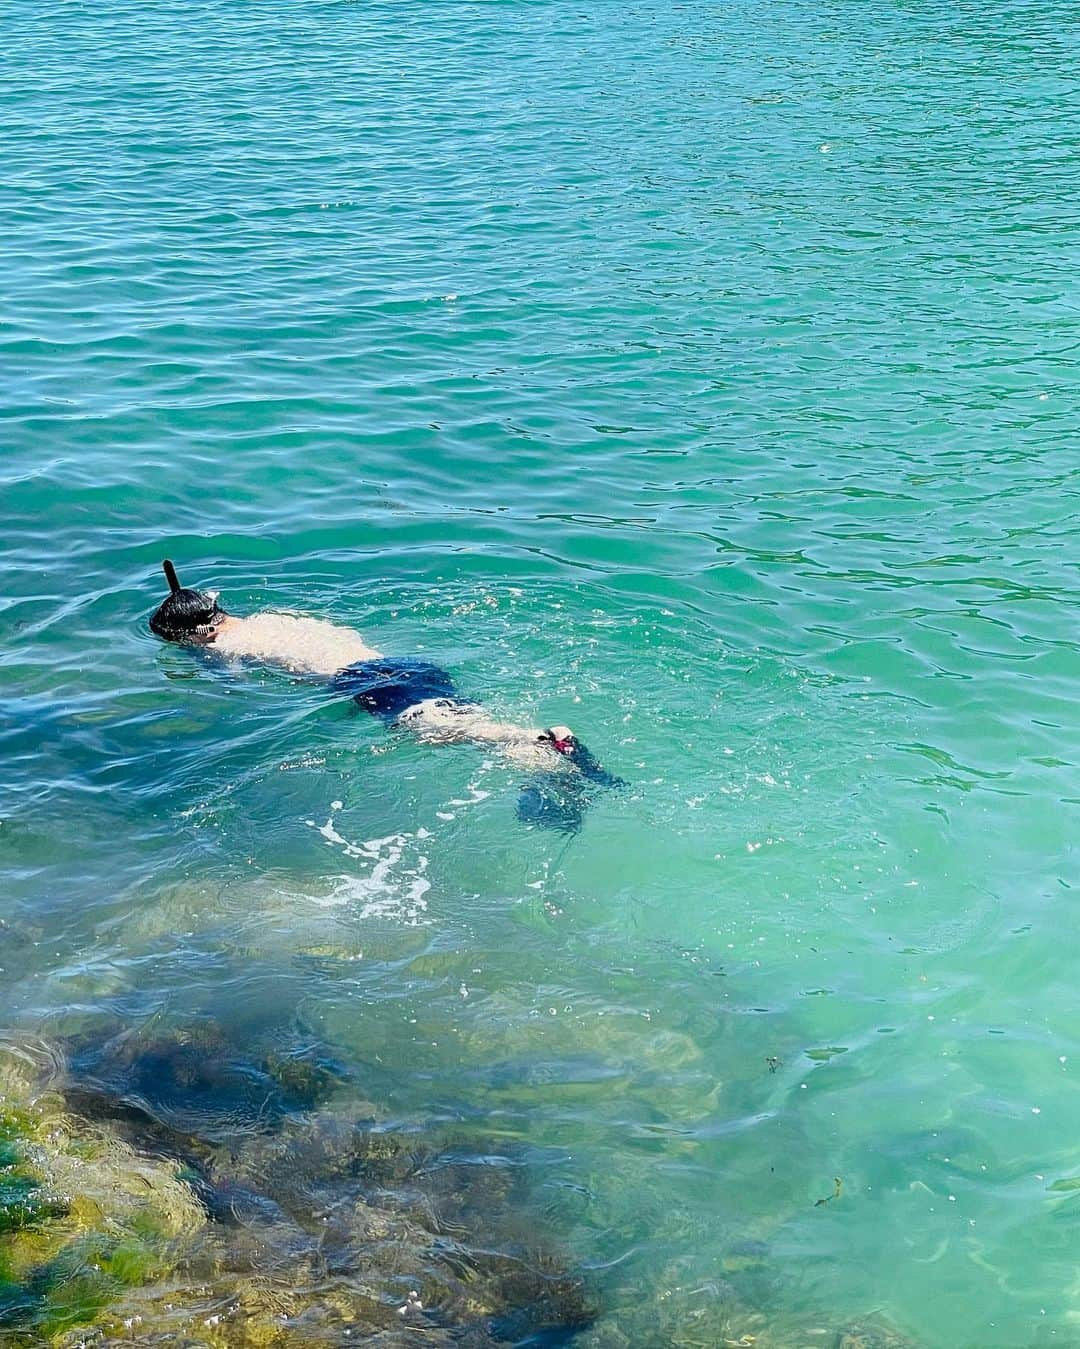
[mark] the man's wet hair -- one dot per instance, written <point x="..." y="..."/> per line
<point x="185" y="615"/>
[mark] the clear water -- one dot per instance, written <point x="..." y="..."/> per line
<point x="701" y="376"/>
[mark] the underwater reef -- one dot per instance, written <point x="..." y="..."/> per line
<point x="311" y="1227"/>
<point x="169" y="1187"/>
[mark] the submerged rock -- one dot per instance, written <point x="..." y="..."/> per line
<point x="82" y="1216"/>
<point x="350" y="1226"/>
<point x="117" y="1226"/>
<point x="873" y="1333"/>
<point x="196" y="1080"/>
<point x="128" y="1218"/>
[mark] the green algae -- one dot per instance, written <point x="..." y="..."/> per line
<point x="26" y="1204"/>
<point x="304" y="1081"/>
<point x="325" y="1226"/>
<point x="82" y="1215"/>
<point x="334" y="1224"/>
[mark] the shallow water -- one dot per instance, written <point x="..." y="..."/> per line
<point x="701" y="377"/>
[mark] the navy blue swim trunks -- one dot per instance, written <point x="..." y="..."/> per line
<point x="386" y="688"/>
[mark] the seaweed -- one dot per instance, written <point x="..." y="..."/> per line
<point x="323" y="1226"/>
<point x="196" y="1080"/>
<point x="838" y="1189"/>
<point x="133" y="1216"/>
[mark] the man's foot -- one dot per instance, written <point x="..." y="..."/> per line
<point x="565" y="742"/>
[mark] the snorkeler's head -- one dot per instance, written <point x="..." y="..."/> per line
<point x="185" y="615"/>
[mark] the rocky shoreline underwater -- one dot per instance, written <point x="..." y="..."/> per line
<point x="165" y="1189"/>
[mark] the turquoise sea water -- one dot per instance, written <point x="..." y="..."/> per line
<point x="700" y="375"/>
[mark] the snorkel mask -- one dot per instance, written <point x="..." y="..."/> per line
<point x="186" y="615"/>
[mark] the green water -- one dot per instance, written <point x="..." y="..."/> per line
<point x="699" y="375"/>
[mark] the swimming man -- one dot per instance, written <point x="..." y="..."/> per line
<point x="412" y="694"/>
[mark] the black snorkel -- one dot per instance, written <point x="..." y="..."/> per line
<point x="185" y="615"/>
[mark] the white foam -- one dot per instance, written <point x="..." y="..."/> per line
<point x="379" y="896"/>
<point x="392" y="882"/>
